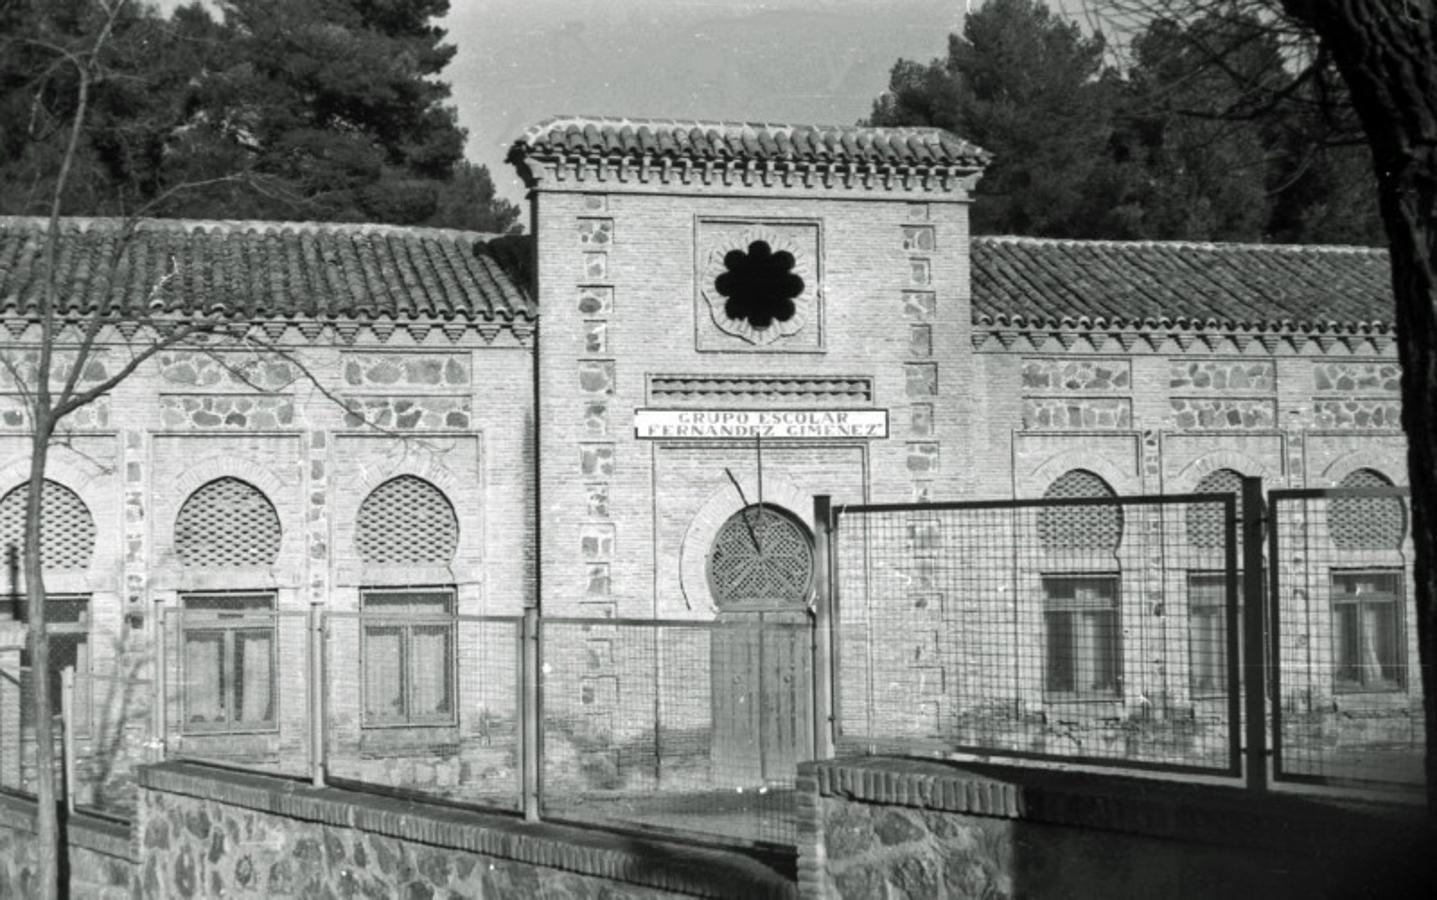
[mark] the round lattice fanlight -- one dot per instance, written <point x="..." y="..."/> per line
<point x="406" y="521"/>
<point x="1206" y="528"/>
<point x="227" y="523"/>
<point x="1367" y="523"/>
<point x="67" y="530"/>
<point x="761" y="556"/>
<point x="1087" y="527"/>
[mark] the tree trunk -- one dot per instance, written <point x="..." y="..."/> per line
<point x="46" y="826"/>
<point x="1387" y="55"/>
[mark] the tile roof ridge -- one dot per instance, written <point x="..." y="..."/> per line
<point x="240" y="226"/>
<point x="1177" y="245"/>
<point x="539" y="128"/>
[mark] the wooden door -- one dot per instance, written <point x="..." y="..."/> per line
<point x="762" y="697"/>
<point x="760" y="571"/>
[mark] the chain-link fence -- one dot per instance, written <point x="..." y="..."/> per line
<point x="1101" y="630"/>
<point x="16" y="753"/>
<point x="1080" y="629"/>
<point x="421" y="700"/>
<point x="1345" y="659"/>
<point x="109" y="725"/>
<point x="680" y="725"/>
<point x="234" y="679"/>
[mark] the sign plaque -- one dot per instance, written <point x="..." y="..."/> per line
<point x="747" y="424"/>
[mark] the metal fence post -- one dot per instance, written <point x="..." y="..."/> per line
<point x="316" y="694"/>
<point x="529" y="740"/>
<point x="160" y="744"/>
<point x="1254" y="646"/>
<point x="823" y="717"/>
<point x="67" y="733"/>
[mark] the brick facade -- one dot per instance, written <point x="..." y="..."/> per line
<point x="531" y="438"/>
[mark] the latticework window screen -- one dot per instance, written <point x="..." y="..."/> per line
<point x="761" y="555"/>
<point x="1206" y="529"/>
<point x="227" y="523"/>
<point x="1096" y="527"/>
<point x="67" y="530"/>
<point x="1367" y="523"/>
<point x="408" y="521"/>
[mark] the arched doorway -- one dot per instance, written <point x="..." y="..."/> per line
<point x="760" y="574"/>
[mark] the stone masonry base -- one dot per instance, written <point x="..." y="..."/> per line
<point x="899" y="828"/>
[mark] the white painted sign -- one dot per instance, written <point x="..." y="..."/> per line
<point x="779" y="424"/>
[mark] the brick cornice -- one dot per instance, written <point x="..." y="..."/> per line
<point x="1019" y="337"/>
<point x="291" y="333"/>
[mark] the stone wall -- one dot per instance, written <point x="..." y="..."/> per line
<point x="99" y="861"/>
<point x="210" y="833"/>
<point x="907" y="828"/>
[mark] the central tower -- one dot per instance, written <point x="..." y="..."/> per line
<point x="737" y="317"/>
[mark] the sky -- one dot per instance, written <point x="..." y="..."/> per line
<point x="800" y="61"/>
<point x="812" y="62"/>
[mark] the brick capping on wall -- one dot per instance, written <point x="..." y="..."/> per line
<point x="105" y="836"/>
<point x="666" y="866"/>
<point x="1198" y="813"/>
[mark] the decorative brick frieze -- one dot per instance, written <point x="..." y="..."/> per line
<point x="595" y="265"/>
<point x="1049" y="375"/>
<point x="923" y="457"/>
<point x="234" y="371"/>
<point x="920" y="306"/>
<point x="999" y="334"/>
<point x="392" y="370"/>
<point x="920" y="341"/>
<point x="317" y="519"/>
<point x="1357" y="378"/>
<point x="919" y="238"/>
<point x="596" y="418"/>
<point x="596" y="460"/>
<point x="596" y="376"/>
<point x="596" y="336"/>
<point x="1222" y="375"/>
<point x="669" y="390"/>
<point x="596" y="579"/>
<point x="1199" y="414"/>
<point x="25" y="363"/>
<point x="1077" y="413"/>
<point x="595" y="233"/>
<point x="409" y="413"/>
<point x="1361" y="413"/>
<point x="1152" y="462"/>
<point x="236" y="411"/>
<point x="93" y="415"/>
<point x="920" y="419"/>
<point x="596" y="300"/>
<point x="596" y="542"/>
<point x="920" y="379"/>
<point x="598" y="500"/>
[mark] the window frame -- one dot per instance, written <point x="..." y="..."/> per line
<point x="1115" y="694"/>
<point x="406" y="624"/>
<point x="1396" y="600"/>
<point x="1220" y="609"/>
<point x="84" y="697"/>
<point x="228" y="624"/>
